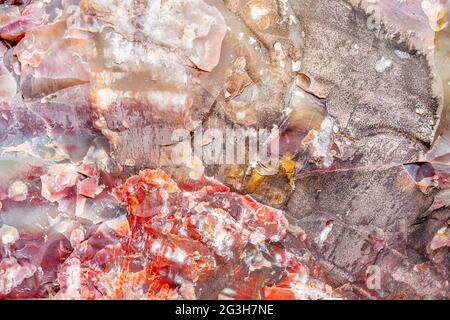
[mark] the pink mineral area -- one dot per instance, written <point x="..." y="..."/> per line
<point x="89" y="187"/>
<point x="90" y="209"/>
<point x="14" y="25"/>
<point x="56" y="182"/>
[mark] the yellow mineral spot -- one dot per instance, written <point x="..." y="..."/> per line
<point x="255" y="181"/>
<point x="287" y="166"/>
<point x="236" y="173"/>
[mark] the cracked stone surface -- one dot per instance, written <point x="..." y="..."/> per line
<point x="104" y="106"/>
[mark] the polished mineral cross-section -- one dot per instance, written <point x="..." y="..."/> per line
<point x="224" y="149"/>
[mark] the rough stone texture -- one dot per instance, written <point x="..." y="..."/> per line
<point x="359" y="196"/>
<point x="362" y="100"/>
<point x="93" y="206"/>
<point x="371" y="212"/>
<point x="379" y="149"/>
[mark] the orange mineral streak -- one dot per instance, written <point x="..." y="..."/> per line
<point x="135" y="193"/>
<point x="276" y="293"/>
<point x="173" y="230"/>
<point x="282" y="289"/>
<point x="264" y="213"/>
<point x="205" y="183"/>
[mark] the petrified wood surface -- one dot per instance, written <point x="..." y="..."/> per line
<point x="94" y="203"/>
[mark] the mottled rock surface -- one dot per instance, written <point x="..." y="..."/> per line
<point x="108" y="188"/>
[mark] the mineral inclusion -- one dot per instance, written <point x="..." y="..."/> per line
<point x="114" y="183"/>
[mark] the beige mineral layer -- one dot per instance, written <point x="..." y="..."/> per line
<point x="224" y="149"/>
